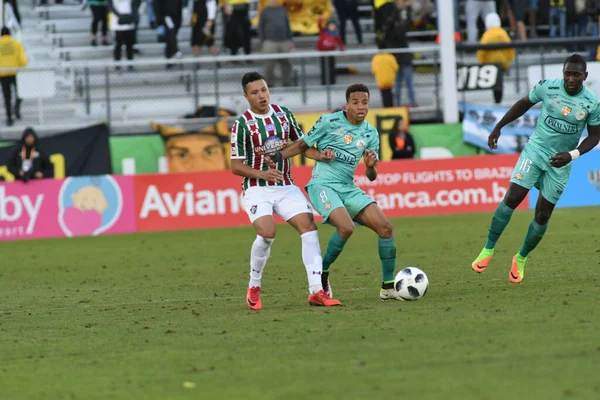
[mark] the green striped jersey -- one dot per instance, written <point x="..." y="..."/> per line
<point x="253" y="136"/>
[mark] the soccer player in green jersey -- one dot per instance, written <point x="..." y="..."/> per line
<point x="259" y="131"/>
<point x="567" y="106"/>
<point x="332" y="191"/>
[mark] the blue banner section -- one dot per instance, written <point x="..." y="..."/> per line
<point x="479" y="121"/>
<point x="583" y="188"/>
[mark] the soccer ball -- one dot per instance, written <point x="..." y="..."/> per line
<point x="411" y="283"/>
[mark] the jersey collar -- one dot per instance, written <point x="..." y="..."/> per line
<point x="262" y="116"/>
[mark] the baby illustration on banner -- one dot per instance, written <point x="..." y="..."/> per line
<point x="89" y="205"/>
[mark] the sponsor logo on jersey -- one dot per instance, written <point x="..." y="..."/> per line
<point x="566" y="110"/>
<point x="348" y="139"/>
<point x="579" y="115"/>
<point x="280" y="114"/>
<point x="270" y="127"/>
<point x="253" y="209"/>
<point x="360" y="144"/>
<point x="270" y="146"/>
<point x="553" y="87"/>
<point x="251" y="122"/>
<point x="334" y="119"/>
<point x="560" y="126"/>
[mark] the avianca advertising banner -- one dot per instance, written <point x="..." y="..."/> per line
<point x="105" y="204"/>
<point x="402" y="188"/>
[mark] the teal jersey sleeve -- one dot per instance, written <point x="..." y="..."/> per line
<point x="537" y="93"/>
<point x="594" y="117"/>
<point x="317" y="132"/>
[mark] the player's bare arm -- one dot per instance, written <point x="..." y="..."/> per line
<point x="371" y="162"/>
<point x="298" y="147"/>
<point x="561" y="159"/>
<point x="238" y="167"/>
<point x="515" y="112"/>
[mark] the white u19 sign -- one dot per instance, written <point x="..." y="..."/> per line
<point x="478" y="77"/>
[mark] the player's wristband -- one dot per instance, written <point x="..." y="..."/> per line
<point x="277" y="157"/>
<point x="574" y="154"/>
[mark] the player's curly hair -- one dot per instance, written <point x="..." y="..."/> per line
<point x="576" y="59"/>
<point x="357" y="87"/>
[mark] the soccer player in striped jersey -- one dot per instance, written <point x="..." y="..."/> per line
<point x="263" y="129"/>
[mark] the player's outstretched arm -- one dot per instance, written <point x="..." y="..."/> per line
<point x="238" y="167"/>
<point x="561" y="159"/>
<point x="299" y="146"/>
<point x="515" y="112"/>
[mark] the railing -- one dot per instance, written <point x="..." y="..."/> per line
<point x="96" y="91"/>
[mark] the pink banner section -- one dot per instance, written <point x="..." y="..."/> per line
<point x="77" y="206"/>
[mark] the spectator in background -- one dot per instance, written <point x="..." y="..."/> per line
<point x="12" y="55"/>
<point x="383" y="9"/>
<point x="348" y="9"/>
<point x="329" y="40"/>
<point x="123" y="20"/>
<point x="395" y="36"/>
<point x="169" y="14"/>
<point x="495" y="34"/>
<point x="237" y="26"/>
<point x="203" y="26"/>
<point x="401" y="141"/>
<point x="29" y="162"/>
<point x="558" y="18"/>
<point x="276" y="37"/>
<point x="475" y="9"/>
<point x="577" y="19"/>
<point x="384" y="66"/>
<point x="518" y="8"/>
<point x="593" y="10"/>
<point x="99" y="10"/>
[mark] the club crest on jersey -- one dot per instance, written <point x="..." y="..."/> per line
<point x="348" y="139"/>
<point x="328" y="205"/>
<point x="253" y="209"/>
<point x="286" y="127"/>
<point x="579" y="115"/>
<point x="566" y="110"/>
<point x="360" y="144"/>
<point x="519" y="176"/>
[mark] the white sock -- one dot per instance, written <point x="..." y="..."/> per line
<point x="261" y="249"/>
<point x="311" y="256"/>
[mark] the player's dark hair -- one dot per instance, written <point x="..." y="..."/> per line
<point x="357" y="87"/>
<point x="250" y="77"/>
<point x="576" y="59"/>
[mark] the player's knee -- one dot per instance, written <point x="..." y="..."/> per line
<point x="386" y="231"/>
<point x="346" y="231"/>
<point x="267" y="234"/>
<point x="542" y="216"/>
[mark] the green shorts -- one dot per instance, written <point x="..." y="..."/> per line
<point x="533" y="169"/>
<point x="326" y="197"/>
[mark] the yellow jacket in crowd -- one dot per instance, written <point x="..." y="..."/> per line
<point x="378" y="3"/>
<point x="384" y="66"/>
<point x="495" y="34"/>
<point x="12" y="55"/>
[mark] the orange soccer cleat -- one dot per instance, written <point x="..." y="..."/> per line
<point x="321" y="299"/>
<point x="253" y="298"/>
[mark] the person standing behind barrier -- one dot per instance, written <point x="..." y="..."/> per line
<point x="12" y="55"/>
<point x="495" y="34"/>
<point x="203" y="26"/>
<point x="383" y="9"/>
<point x="329" y="40"/>
<point x="558" y="18"/>
<point x="384" y="66"/>
<point x="276" y="37"/>
<point x="237" y="28"/>
<point x="348" y="9"/>
<point x="475" y="9"/>
<point x="99" y="10"/>
<point x="123" y="19"/>
<point x="395" y="32"/>
<point x="169" y="15"/>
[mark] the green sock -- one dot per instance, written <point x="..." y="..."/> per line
<point x="387" y="254"/>
<point x="535" y="233"/>
<point x="499" y="221"/>
<point x="334" y="248"/>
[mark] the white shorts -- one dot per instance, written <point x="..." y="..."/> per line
<point x="285" y="201"/>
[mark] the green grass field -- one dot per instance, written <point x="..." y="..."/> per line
<point x="137" y="316"/>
